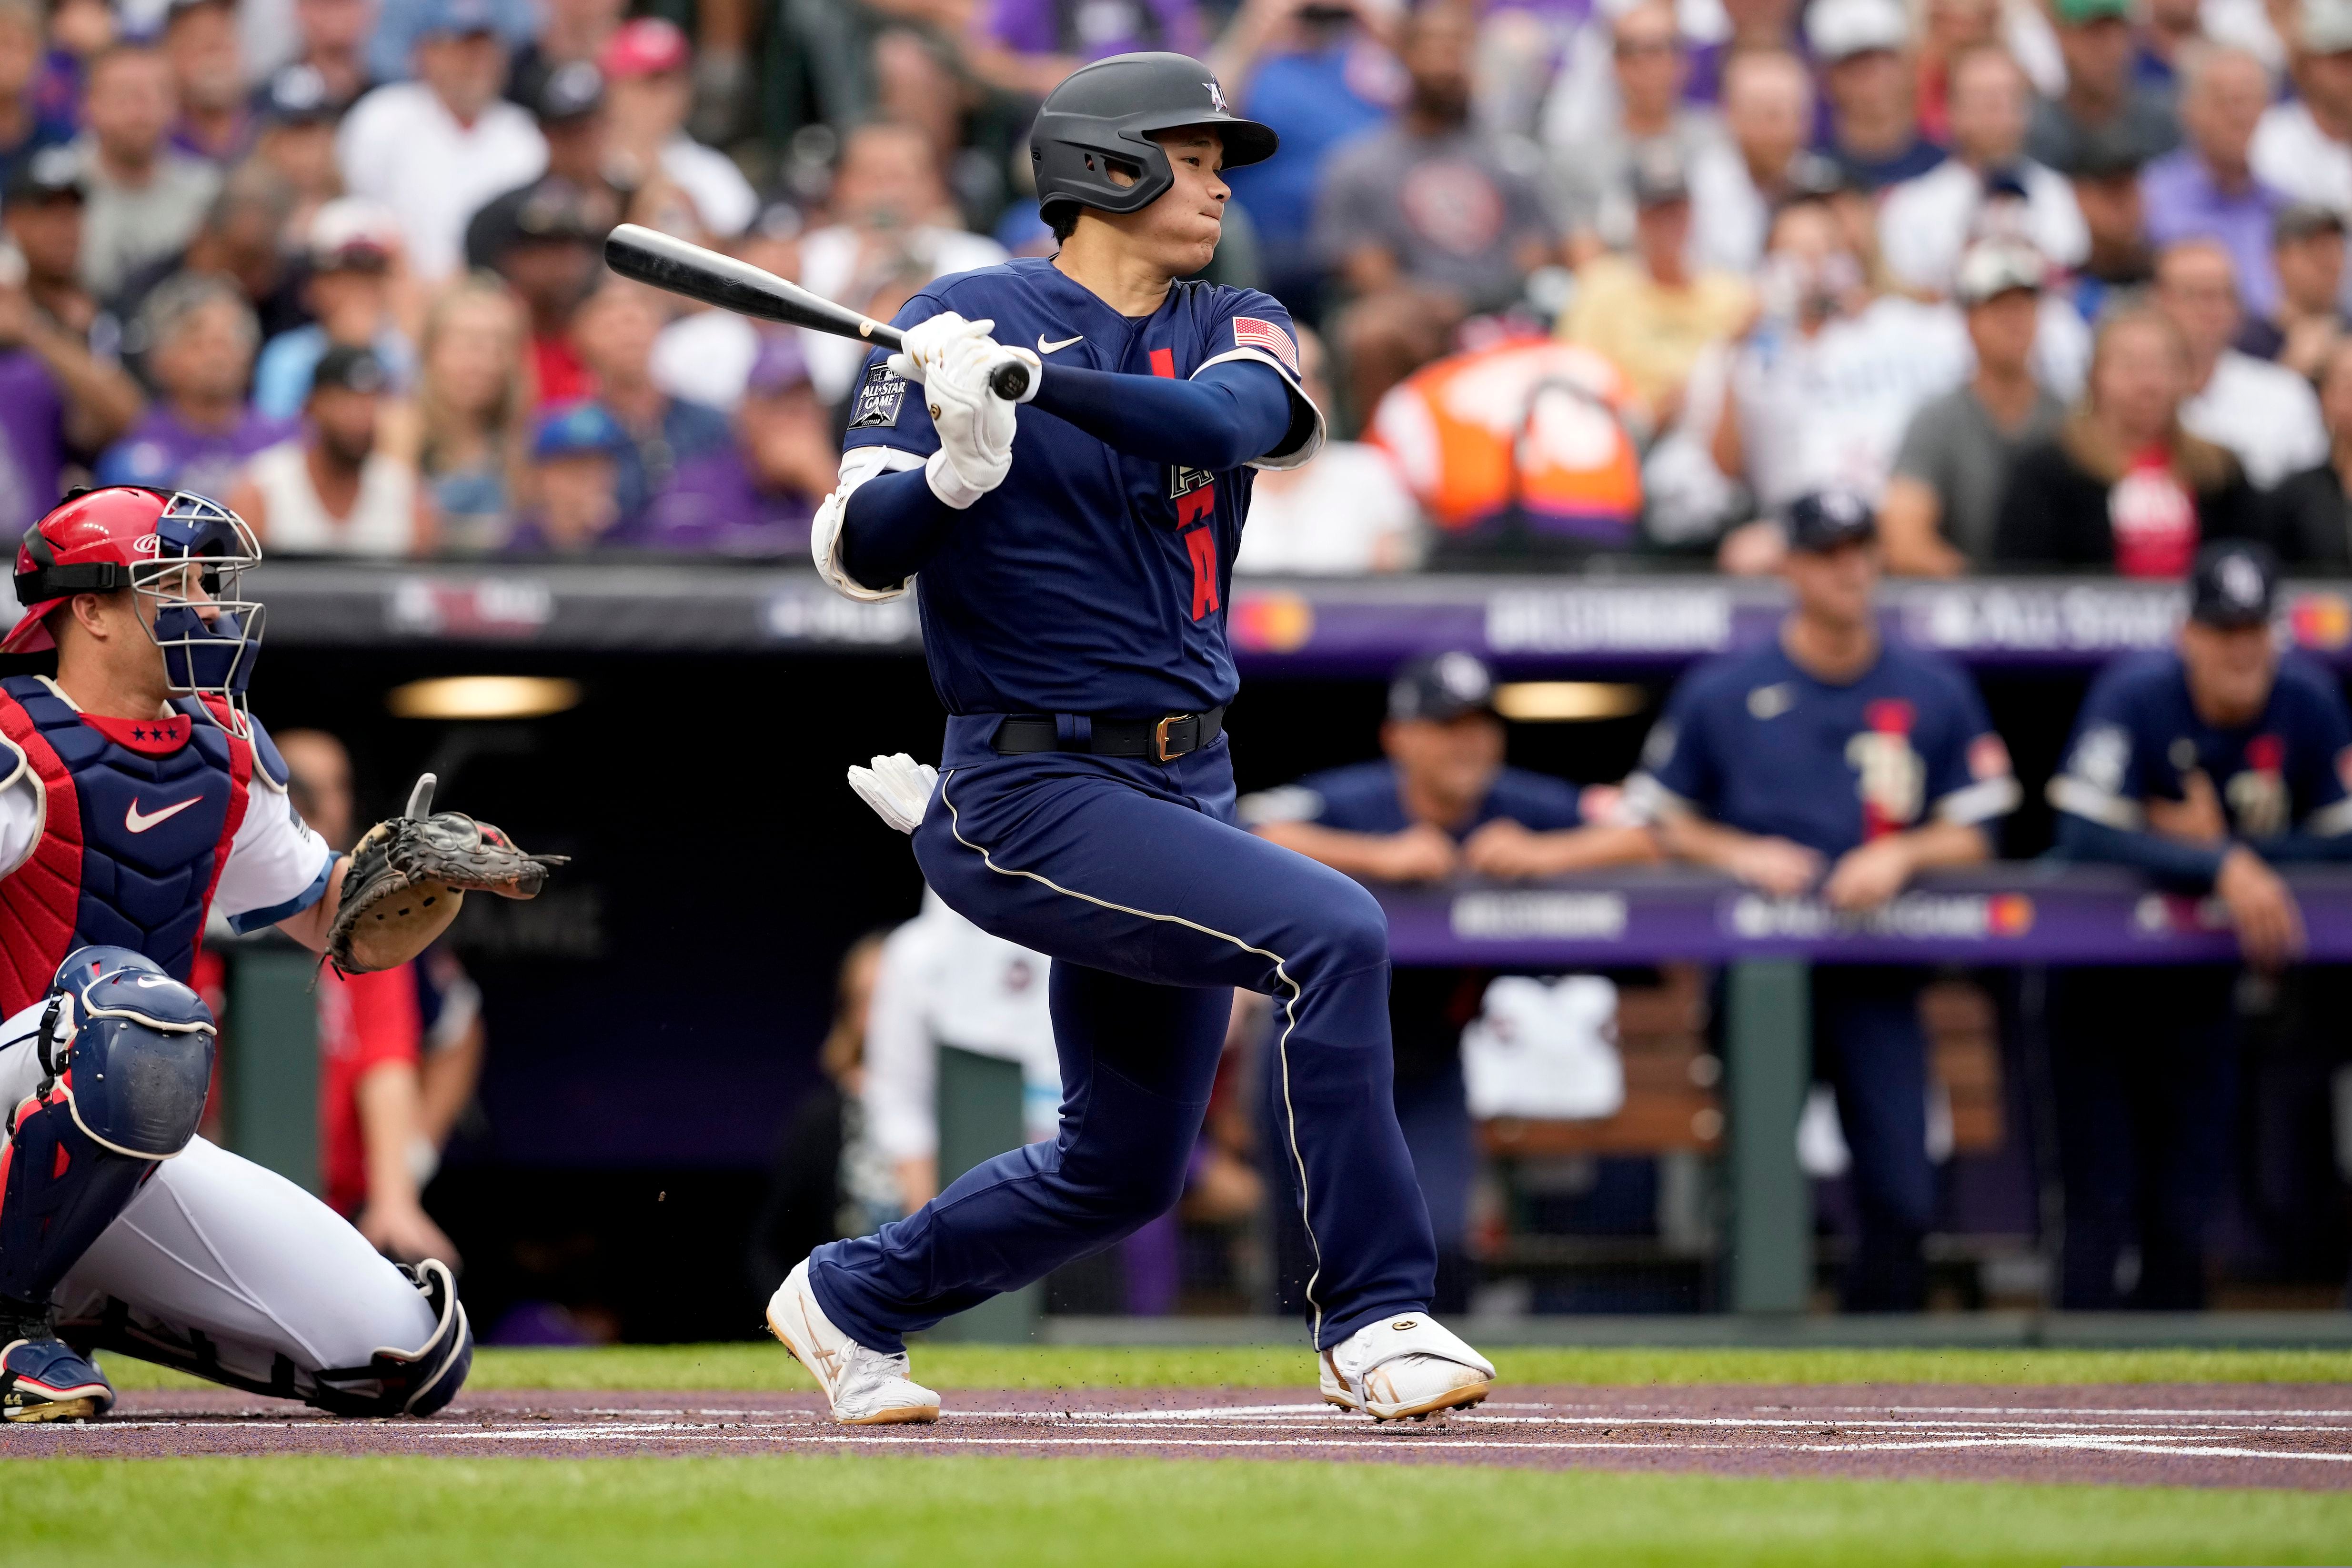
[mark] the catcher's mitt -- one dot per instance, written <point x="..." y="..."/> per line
<point x="409" y="877"/>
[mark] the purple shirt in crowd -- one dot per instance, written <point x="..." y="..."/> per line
<point x="164" y="451"/>
<point x="1095" y="29"/>
<point x="2182" y="202"/>
<point x="32" y="439"/>
<point x="712" y="506"/>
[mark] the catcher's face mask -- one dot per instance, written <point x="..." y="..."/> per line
<point x="192" y="603"/>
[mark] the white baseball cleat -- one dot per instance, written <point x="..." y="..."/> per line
<point x="1407" y="1365"/>
<point x="865" y="1387"/>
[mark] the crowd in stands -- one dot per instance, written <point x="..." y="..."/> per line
<point x="2048" y="282"/>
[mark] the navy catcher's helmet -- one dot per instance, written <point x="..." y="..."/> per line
<point x="1102" y="117"/>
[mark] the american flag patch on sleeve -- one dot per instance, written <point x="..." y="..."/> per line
<point x="1249" y="333"/>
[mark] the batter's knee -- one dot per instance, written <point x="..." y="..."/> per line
<point x="1354" y="933"/>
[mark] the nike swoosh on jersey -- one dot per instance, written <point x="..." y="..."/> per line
<point x="1045" y="348"/>
<point x="139" y="822"/>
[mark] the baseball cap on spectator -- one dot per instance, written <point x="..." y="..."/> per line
<point x="297" y="95"/>
<point x="2075" y="13"/>
<point x="572" y="90"/>
<point x="348" y="234"/>
<point x="2325" y="27"/>
<point x="646" y="47"/>
<point x="1826" y="520"/>
<point x="778" y="367"/>
<point x="1441" y="687"/>
<point x="1991" y="267"/>
<point x="1838" y="29"/>
<point x="2301" y="220"/>
<point x="1813" y="178"/>
<point x="2233" y="585"/>
<point x="778" y="220"/>
<point x="460" y="18"/>
<point x="344" y="368"/>
<point x="577" y="430"/>
<point x="1657" y="177"/>
<point x="49" y="173"/>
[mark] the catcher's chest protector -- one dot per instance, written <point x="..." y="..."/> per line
<point x="136" y="832"/>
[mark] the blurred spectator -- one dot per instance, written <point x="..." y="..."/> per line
<point x="2122" y="485"/>
<point x="2169" y="30"/>
<point x="2303" y="147"/>
<point x="569" y="33"/>
<point x="2311" y="525"/>
<point x="615" y="331"/>
<point x="1028" y="45"/>
<point x="353" y="246"/>
<point x="328" y="63"/>
<point x="200" y="430"/>
<point x="2308" y="253"/>
<point x="1318" y="74"/>
<point x="41" y="208"/>
<point x="1591" y="179"/>
<point x="26" y="125"/>
<point x="242" y="240"/>
<point x="200" y="43"/>
<point x="1948" y="29"/>
<point x="58" y="400"/>
<point x="80" y="31"/>
<point x="1649" y="314"/>
<point x="1863" y="47"/>
<point x="2263" y="413"/>
<point x="403" y="27"/>
<point x="545" y="246"/>
<point x="1943" y="502"/>
<point x="146" y="197"/>
<point x="333" y="489"/>
<point x="2107" y="189"/>
<point x="1442" y="804"/>
<point x="568" y="105"/>
<point x="435" y="149"/>
<point x="1430" y="201"/>
<point x="756" y="495"/>
<point x="1925" y="224"/>
<point x="1768" y="107"/>
<point x="1832" y="764"/>
<point x="2203" y="767"/>
<point x="2107" y="110"/>
<point x="705" y="355"/>
<point x="894" y="229"/>
<point x="1342" y="512"/>
<point x="2205" y="189"/>
<point x="1821" y="392"/>
<point x="294" y="138"/>
<point x="649" y="91"/>
<point x="371" y="1037"/>
<point x="473" y="410"/>
<point x="576" y="456"/>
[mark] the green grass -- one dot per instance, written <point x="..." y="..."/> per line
<point x="761" y="1365"/>
<point x="936" y="1512"/>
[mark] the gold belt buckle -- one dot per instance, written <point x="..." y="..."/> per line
<point x="1160" y="736"/>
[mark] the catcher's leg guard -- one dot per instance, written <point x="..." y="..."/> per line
<point x="59" y="1189"/>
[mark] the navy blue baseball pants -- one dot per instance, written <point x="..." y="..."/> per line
<point x="1130" y="875"/>
<point x="1869" y="1043"/>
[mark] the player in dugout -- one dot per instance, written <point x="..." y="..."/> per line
<point x="1834" y="763"/>
<point x="2202" y="766"/>
<point x="1442" y="802"/>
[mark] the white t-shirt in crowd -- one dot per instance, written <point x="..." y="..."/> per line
<point x="706" y="357"/>
<point x="829" y="266"/>
<point x="400" y="147"/>
<point x="945" y="982"/>
<point x="274" y="861"/>
<point x="712" y="181"/>
<point x="380" y="524"/>
<point x="1925" y="224"/>
<point x="2265" y="412"/>
<point x="1342" y="512"/>
<point x="1829" y="411"/>
<point x="1729" y="218"/>
<point x="2294" y="157"/>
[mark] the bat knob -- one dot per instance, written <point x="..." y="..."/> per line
<point x="1010" y="381"/>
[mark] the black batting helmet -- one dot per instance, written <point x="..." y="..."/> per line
<point x="1102" y="116"/>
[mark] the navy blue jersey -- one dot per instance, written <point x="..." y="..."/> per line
<point x="2140" y="737"/>
<point x="1753" y="741"/>
<point x="1364" y="797"/>
<point x="1088" y="581"/>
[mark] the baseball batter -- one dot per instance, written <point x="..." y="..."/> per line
<point x="1074" y="557"/>
<point x="136" y="795"/>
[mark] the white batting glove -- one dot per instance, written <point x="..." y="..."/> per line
<point x="975" y="425"/>
<point x="898" y="787"/>
<point x="929" y="344"/>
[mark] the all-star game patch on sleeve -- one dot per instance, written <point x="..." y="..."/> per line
<point x="880" y="396"/>
<point x="886" y="409"/>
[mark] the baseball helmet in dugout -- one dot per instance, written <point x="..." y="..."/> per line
<point x="1101" y="119"/>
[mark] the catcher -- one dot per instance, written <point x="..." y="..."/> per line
<point x="136" y="795"/>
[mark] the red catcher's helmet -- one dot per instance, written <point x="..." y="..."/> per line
<point x="85" y="546"/>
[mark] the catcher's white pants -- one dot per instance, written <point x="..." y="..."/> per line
<point x="217" y="1245"/>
